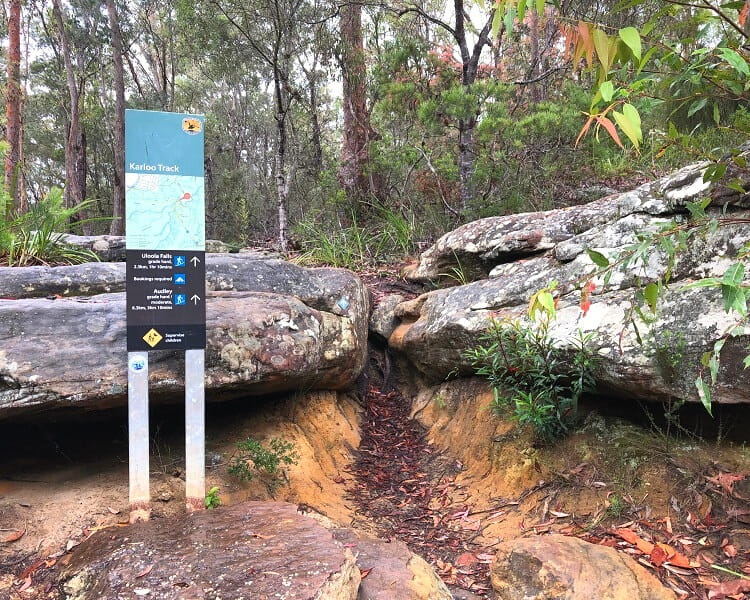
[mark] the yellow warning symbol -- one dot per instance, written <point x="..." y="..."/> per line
<point x="152" y="337"/>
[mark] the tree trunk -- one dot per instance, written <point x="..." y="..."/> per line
<point x="282" y="192"/>
<point x="117" y="227"/>
<point x="357" y="134"/>
<point x="469" y="70"/>
<point x="316" y="136"/>
<point x="534" y="58"/>
<point x="466" y="161"/>
<point x="75" y="141"/>
<point x="282" y="177"/>
<point x="13" y="170"/>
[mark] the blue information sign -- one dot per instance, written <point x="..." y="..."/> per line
<point x="165" y="230"/>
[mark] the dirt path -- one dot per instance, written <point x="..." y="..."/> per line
<point x="403" y="487"/>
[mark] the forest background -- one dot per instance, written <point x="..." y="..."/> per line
<point x="361" y="131"/>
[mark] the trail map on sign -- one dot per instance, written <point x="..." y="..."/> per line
<point x="165" y="212"/>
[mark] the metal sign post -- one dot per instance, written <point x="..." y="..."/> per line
<point x="165" y="283"/>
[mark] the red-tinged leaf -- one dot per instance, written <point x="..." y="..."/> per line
<point x="611" y="130"/>
<point x="742" y="17"/>
<point x="730" y="588"/>
<point x="670" y="552"/>
<point x="14" y="535"/>
<point x="584" y="129"/>
<point x="726" y="480"/>
<point x="658" y="556"/>
<point x="628" y="535"/>
<point x="26" y="585"/>
<point x="585" y="305"/>
<point x="587" y="41"/>
<point x="680" y="560"/>
<point x="631" y="537"/>
<point x="145" y="571"/>
<point x="365" y="572"/>
<point x="466" y="560"/>
<point x="28" y="571"/>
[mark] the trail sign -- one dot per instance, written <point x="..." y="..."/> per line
<point x="165" y="225"/>
<point x="165" y="283"/>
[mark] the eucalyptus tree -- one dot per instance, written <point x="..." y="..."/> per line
<point x="355" y="173"/>
<point x="154" y="57"/>
<point x="76" y="37"/>
<point x="117" y="226"/>
<point x="268" y="32"/>
<point x="470" y="40"/>
<point x="14" y="122"/>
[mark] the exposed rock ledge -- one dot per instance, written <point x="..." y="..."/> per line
<point x="517" y="255"/>
<point x="254" y="550"/>
<point x="271" y="326"/>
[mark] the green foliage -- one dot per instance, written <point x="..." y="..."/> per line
<point x="534" y="380"/>
<point x="36" y="237"/>
<point x="457" y="273"/>
<point x="388" y="235"/>
<point x="617" y="506"/>
<point x="253" y="458"/>
<point x="212" y="498"/>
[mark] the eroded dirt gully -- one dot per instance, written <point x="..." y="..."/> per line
<point x="430" y="465"/>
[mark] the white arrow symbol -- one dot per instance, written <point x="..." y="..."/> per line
<point x="195" y="260"/>
<point x="195" y="298"/>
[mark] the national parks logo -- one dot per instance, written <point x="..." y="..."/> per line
<point x="191" y="125"/>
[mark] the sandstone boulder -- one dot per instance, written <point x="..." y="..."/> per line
<point x="393" y="571"/>
<point x="476" y="248"/>
<point x="556" y="567"/>
<point x="254" y="550"/>
<point x="383" y="320"/>
<point x="271" y="326"/>
<point x="649" y="356"/>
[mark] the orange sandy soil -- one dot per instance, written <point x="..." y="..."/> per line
<point x="61" y="482"/>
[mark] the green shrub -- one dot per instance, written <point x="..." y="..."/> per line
<point x="538" y="383"/>
<point x="253" y="458"/>
<point x="388" y="235"/>
<point x="212" y="498"/>
<point x="36" y="237"/>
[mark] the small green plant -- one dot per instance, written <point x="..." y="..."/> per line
<point x="346" y="247"/>
<point x="212" y="498"/>
<point x="617" y="506"/>
<point x="253" y="458"/>
<point x="457" y="273"/>
<point x="36" y="237"/>
<point x="535" y="381"/>
<point x="439" y="401"/>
